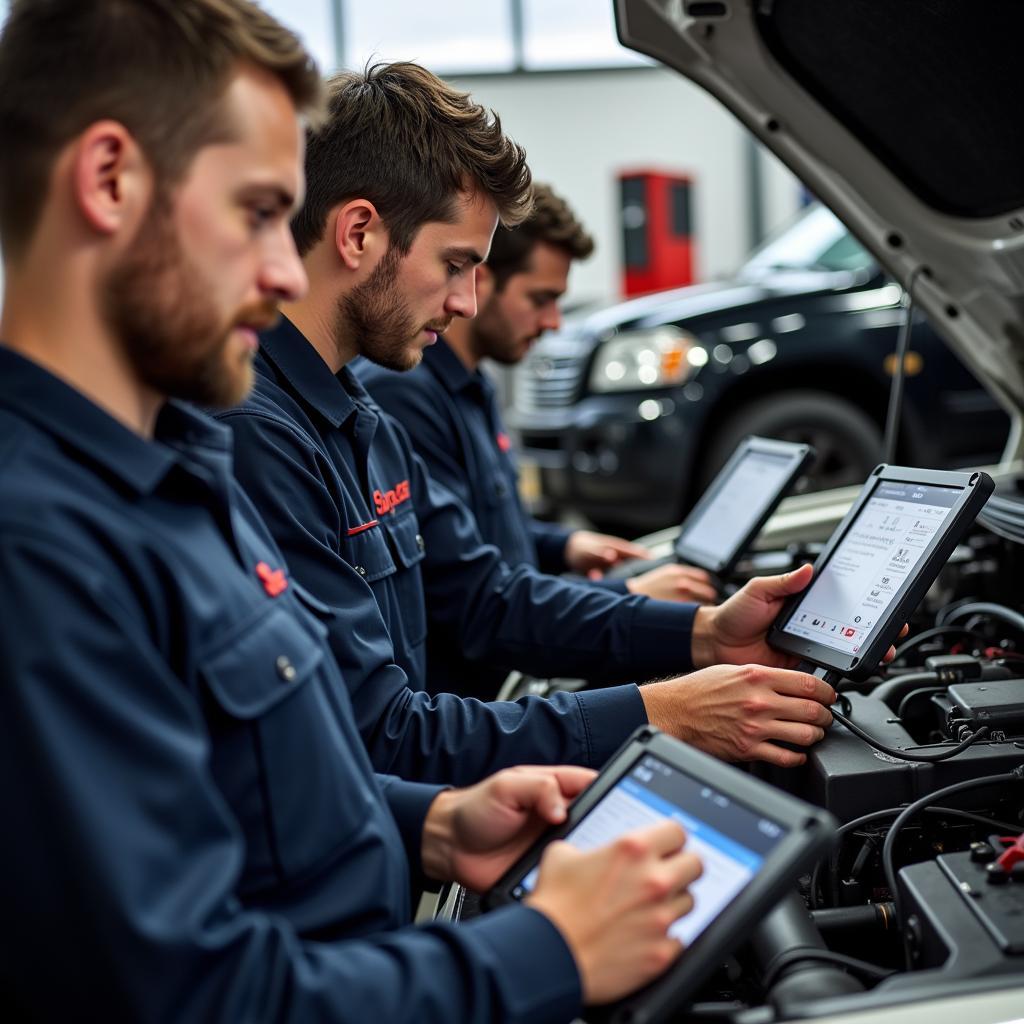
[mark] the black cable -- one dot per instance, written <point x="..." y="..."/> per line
<point x="888" y="865"/>
<point x="931" y="634"/>
<point x="994" y="611"/>
<point x="892" y="417"/>
<point x="902" y="755"/>
<point x="799" y="953"/>
<point x="914" y="694"/>
<point x="891" y="812"/>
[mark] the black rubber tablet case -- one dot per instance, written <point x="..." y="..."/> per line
<point x="692" y="555"/>
<point x="976" y="489"/>
<point x="810" y="834"/>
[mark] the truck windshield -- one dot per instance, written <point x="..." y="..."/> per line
<point x="816" y="240"/>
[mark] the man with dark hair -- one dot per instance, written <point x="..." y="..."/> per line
<point x="450" y="409"/>
<point x="340" y="487"/>
<point x="194" y="831"/>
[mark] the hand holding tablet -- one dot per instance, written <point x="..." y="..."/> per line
<point x="876" y="568"/>
<point x="752" y="842"/>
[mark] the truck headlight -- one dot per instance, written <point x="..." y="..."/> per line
<point x="655" y="358"/>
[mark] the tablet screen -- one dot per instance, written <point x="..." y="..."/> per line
<point x="731" y="840"/>
<point x="870" y="564"/>
<point x="737" y="504"/>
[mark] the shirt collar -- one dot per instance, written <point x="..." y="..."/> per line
<point x="294" y="356"/>
<point x="441" y="359"/>
<point x="78" y="423"/>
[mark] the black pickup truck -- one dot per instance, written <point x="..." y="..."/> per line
<point x="629" y="410"/>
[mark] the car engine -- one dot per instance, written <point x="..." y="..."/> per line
<point x="924" y="894"/>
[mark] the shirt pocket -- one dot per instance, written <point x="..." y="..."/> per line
<point x="368" y="553"/>
<point x="282" y="753"/>
<point x="409" y="549"/>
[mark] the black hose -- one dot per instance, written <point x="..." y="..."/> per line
<point x="888" y="863"/>
<point x="915" y="695"/>
<point x="894" y="689"/>
<point x="993" y="611"/>
<point x="788" y="949"/>
<point x="864" y="916"/>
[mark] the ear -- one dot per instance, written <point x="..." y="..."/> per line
<point x="111" y="178"/>
<point x="359" y="234"/>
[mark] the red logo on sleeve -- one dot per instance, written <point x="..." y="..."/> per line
<point x="388" y="501"/>
<point x="504" y="444"/>
<point x="273" y="580"/>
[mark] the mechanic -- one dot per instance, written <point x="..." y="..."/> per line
<point x="339" y="486"/>
<point x="450" y="409"/>
<point x="194" y="829"/>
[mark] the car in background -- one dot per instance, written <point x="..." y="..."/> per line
<point x="630" y="410"/>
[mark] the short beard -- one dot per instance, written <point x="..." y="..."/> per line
<point x="158" y="308"/>
<point x="376" y="318"/>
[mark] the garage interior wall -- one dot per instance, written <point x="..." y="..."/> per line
<point x="580" y="128"/>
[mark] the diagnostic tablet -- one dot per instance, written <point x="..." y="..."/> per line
<point x="739" y="501"/>
<point x="877" y="566"/>
<point x="753" y="840"/>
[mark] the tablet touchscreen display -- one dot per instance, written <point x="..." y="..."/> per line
<point x="737" y="505"/>
<point x="732" y="840"/>
<point x="872" y="561"/>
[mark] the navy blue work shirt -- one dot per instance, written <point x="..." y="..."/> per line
<point x="452" y="418"/>
<point x="194" y="829"/>
<point x="338" y="482"/>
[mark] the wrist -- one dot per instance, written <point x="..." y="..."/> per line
<point x="702" y="645"/>
<point x="438" y="850"/>
<point x="668" y="708"/>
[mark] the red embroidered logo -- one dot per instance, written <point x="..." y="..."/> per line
<point x="273" y="580"/>
<point x="504" y="443"/>
<point x="388" y="501"/>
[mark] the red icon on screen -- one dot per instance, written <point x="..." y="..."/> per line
<point x="849" y="632"/>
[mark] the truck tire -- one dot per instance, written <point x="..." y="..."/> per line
<point x="847" y="441"/>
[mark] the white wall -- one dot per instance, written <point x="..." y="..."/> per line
<point x="581" y="128"/>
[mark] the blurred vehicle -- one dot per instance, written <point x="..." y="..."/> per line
<point x="630" y="410"/>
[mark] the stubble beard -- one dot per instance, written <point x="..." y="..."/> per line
<point x="376" y="317"/>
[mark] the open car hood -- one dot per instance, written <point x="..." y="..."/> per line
<point x="904" y="118"/>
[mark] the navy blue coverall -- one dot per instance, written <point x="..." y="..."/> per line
<point x="338" y="483"/>
<point x="452" y="418"/>
<point x="194" y="830"/>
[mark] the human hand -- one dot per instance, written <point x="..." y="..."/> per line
<point x="614" y="906"/>
<point x="734" y="632"/>
<point x="592" y="553"/>
<point x="735" y="712"/>
<point x="475" y="835"/>
<point x="674" y="583"/>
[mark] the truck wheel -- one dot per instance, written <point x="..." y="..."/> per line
<point x="847" y="441"/>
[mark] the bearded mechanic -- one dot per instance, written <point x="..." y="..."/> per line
<point x="196" y="831"/>
<point x="449" y="408"/>
<point x="407" y="179"/>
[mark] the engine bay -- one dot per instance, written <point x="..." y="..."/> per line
<point x="924" y="893"/>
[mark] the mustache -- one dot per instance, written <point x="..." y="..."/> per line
<point x="438" y="326"/>
<point x="260" y="316"/>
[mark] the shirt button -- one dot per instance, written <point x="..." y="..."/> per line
<point x="420" y="542"/>
<point x="285" y="669"/>
<point x="360" y="570"/>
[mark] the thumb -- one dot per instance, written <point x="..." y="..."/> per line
<point x="538" y="793"/>
<point x="770" y="588"/>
